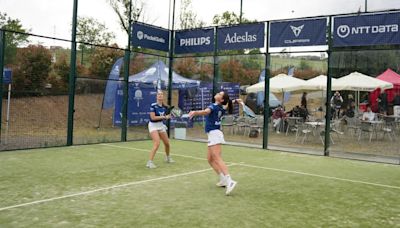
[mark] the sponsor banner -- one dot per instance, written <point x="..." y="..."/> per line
<point x="139" y="102"/>
<point x="298" y="33"/>
<point x="7" y="73"/>
<point x="366" y="30"/>
<point x="194" y="41"/>
<point x="150" y="37"/>
<point x="241" y="37"/>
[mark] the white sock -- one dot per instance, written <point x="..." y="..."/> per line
<point x="221" y="177"/>
<point x="228" y="178"/>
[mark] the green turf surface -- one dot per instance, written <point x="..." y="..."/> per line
<point x="275" y="189"/>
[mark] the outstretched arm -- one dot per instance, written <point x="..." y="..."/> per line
<point x="200" y="112"/>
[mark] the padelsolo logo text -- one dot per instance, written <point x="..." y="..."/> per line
<point x="141" y="35"/>
<point x="344" y="31"/>
<point x="197" y="41"/>
<point x="246" y="38"/>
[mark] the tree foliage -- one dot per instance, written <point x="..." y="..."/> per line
<point x="229" y="18"/>
<point x="34" y="65"/>
<point x="90" y="30"/>
<point x="102" y="61"/>
<point x="13" y="40"/>
<point x="121" y="8"/>
<point x="188" y="18"/>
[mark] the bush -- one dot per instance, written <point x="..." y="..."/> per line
<point x="32" y="68"/>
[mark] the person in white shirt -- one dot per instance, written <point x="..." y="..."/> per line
<point x="368" y="115"/>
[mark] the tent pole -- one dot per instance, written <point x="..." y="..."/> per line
<point x="267" y="68"/>
<point x="8" y="110"/>
<point x="171" y="59"/>
<point x="328" y="92"/>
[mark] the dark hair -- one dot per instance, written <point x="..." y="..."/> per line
<point x="227" y="101"/>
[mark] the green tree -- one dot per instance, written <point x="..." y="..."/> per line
<point x="121" y="8"/>
<point x="304" y="65"/>
<point x="90" y="30"/>
<point x="32" y="70"/>
<point x="61" y="68"/>
<point x="13" y="40"/>
<point x="188" y="18"/>
<point x="229" y="18"/>
<point x="102" y="61"/>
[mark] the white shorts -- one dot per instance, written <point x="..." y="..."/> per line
<point x="157" y="126"/>
<point x="215" y="137"/>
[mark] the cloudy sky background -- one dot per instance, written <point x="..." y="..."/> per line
<point x="53" y="17"/>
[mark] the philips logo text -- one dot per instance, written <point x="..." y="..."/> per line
<point x="197" y="41"/>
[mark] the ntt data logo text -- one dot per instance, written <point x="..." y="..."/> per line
<point x="344" y="31"/>
<point x="141" y="35"/>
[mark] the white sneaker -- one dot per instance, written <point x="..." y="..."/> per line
<point x="168" y="159"/>
<point x="221" y="183"/>
<point x="150" y="165"/>
<point x="229" y="188"/>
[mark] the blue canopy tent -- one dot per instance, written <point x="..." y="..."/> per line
<point x="142" y="92"/>
<point x="156" y="76"/>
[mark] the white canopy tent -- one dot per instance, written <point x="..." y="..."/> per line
<point x="279" y="84"/>
<point x="319" y="83"/>
<point x="360" y="82"/>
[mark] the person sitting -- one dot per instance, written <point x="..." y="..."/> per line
<point x="277" y="117"/>
<point x="295" y="112"/>
<point x="368" y="115"/>
<point x="349" y="112"/>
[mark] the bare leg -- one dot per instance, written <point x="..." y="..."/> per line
<point x="156" y="143"/>
<point x="165" y="139"/>
<point x="212" y="162"/>
<point x="216" y="155"/>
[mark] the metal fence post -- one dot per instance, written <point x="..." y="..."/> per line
<point x="72" y="77"/>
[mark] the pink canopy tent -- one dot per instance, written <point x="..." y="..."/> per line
<point x="388" y="76"/>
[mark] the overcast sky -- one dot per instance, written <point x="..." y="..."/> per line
<point x="53" y="17"/>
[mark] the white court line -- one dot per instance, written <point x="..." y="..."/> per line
<point x="279" y="170"/>
<point x="320" y="176"/>
<point x="139" y="149"/>
<point x="105" y="188"/>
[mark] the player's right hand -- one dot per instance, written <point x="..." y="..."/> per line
<point x="192" y="114"/>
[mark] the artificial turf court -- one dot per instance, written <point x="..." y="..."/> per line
<point x="107" y="185"/>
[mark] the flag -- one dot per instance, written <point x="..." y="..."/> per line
<point x="112" y="83"/>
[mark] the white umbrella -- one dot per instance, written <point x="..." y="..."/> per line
<point x="279" y="84"/>
<point x="319" y="83"/>
<point x="360" y="82"/>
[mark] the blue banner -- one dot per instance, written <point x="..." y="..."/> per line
<point x="194" y="41"/>
<point x="298" y="33"/>
<point x="139" y="102"/>
<point x="7" y="76"/>
<point x="241" y="37"/>
<point x="366" y="30"/>
<point x="112" y="83"/>
<point x="150" y="37"/>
